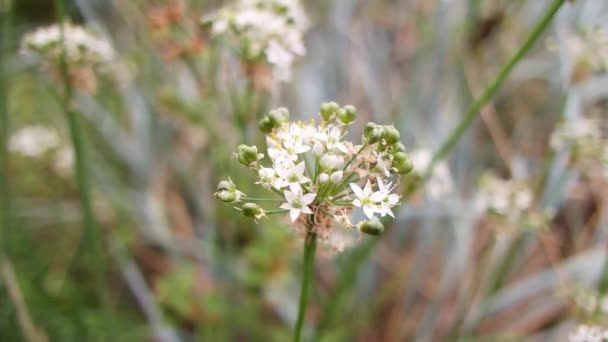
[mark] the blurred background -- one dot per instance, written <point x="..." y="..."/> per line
<point x="506" y="241"/>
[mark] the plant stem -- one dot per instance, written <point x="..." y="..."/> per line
<point x="491" y="90"/>
<point x="92" y="242"/>
<point x="310" y="247"/>
<point x="5" y="199"/>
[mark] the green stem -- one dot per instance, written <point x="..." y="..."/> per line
<point x="5" y="209"/>
<point x="310" y="247"/>
<point x="491" y="90"/>
<point x="253" y="199"/>
<point x="92" y="242"/>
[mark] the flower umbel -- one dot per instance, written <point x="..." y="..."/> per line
<point x="319" y="177"/>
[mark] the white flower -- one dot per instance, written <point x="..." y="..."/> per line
<point x="367" y="199"/>
<point x="33" y="141"/>
<point x="388" y="200"/>
<point x="292" y="175"/>
<point x="297" y="203"/>
<point x="383" y="162"/>
<point x="331" y="136"/>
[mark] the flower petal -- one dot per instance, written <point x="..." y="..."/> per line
<point x="293" y="214"/>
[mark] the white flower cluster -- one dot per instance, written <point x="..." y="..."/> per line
<point x="320" y="177"/>
<point x="589" y="302"/>
<point x="589" y="333"/>
<point x="589" y="50"/>
<point x="509" y="201"/>
<point x="585" y="141"/>
<point x="36" y="141"/>
<point x="82" y="47"/>
<point x="270" y="29"/>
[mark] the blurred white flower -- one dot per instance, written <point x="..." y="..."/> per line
<point x="588" y="333"/>
<point x="440" y="183"/>
<point x="271" y="29"/>
<point x="81" y="45"/>
<point x="34" y="141"/>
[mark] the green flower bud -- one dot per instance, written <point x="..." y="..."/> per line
<point x="225" y="185"/>
<point x="391" y="135"/>
<point x="373" y="133"/>
<point x="347" y="114"/>
<point x="328" y="109"/>
<point x="226" y="196"/>
<point x="274" y="119"/>
<point x="372" y="226"/>
<point x="251" y="210"/>
<point x="247" y="154"/>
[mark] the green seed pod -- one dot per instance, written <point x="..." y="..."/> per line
<point x="373" y="133"/>
<point x="225" y="185"/>
<point x="399" y="158"/>
<point x="372" y="226"/>
<point x="328" y="109"/>
<point x="265" y="125"/>
<point x="251" y="210"/>
<point x="391" y="135"/>
<point x="399" y="147"/>
<point x="226" y="196"/>
<point x="404" y="166"/>
<point x="347" y="114"/>
<point x="247" y="154"/>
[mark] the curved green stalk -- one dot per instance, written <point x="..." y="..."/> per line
<point x="491" y="90"/>
<point x="310" y="247"/>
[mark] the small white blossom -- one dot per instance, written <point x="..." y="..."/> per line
<point x="367" y="199"/>
<point x="297" y="203"/>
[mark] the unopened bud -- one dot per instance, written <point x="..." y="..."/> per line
<point x="372" y="226"/>
<point x="336" y="177"/>
<point x="347" y="114"/>
<point x="225" y="185"/>
<point x="332" y="162"/>
<point x="317" y="149"/>
<point x="328" y="110"/>
<point x="274" y="119"/>
<point x="324" y="177"/>
<point x="226" y="196"/>
<point x="251" y="210"/>
<point x="247" y="154"/>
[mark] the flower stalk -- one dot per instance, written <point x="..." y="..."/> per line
<point x="310" y="248"/>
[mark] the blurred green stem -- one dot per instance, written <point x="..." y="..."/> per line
<point x="310" y="247"/>
<point x="91" y="237"/>
<point x="491" y="90"/>
<point x="5" y="209"/>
